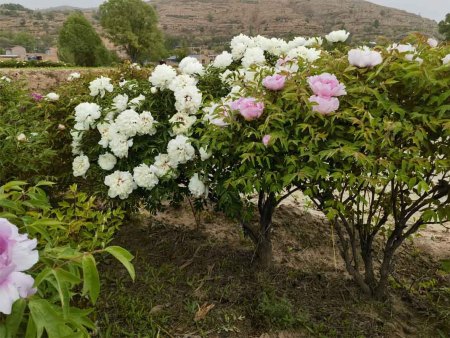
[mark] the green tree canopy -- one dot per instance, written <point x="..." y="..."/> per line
<point x="133" y="24"/>
<point x="444" y="27"/>
<point x="79" y="43"/>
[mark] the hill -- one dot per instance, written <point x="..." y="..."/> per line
<point x="213" y="22"/>
<point x="216" y="20"/>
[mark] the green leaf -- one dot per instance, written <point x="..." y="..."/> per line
<point x="46" y="317"/>
<point x="91" y="283"/>
<point x="124" y="257"/>
<point x="14" y="320"/>
<point x="13" y="185"/>
<point x="63" y="291"/>
<point x="45" y="183"/>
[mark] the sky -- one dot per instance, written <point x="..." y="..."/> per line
<point x="433" y="9"/>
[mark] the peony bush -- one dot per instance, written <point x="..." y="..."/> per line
<point x="362" y="131"/>
<point x="138" y="136"/>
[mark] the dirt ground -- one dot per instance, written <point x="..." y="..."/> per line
<point x="183" y="271"/>
<point x="42" y="80"/>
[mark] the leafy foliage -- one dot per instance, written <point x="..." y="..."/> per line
<point x="133" y="24"/>
<point x="444" y="27"/>
<point x="70" y="236"/>
<point x="79" y="43"/>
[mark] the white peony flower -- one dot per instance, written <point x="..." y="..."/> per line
<point x="107" y="161"/>
<point x="145" y="176"/>
<point x="120" y="103"/>
<point x="288" y="65"/>
<point x="120" y="184"/>
<point x="128" y="123"/>
<point x="446" y="59"/>
<point x="162" y="76"/>
<point x="80" y="165"/>
<point x="253" y="56"/>
<point x="204" y="154"/>
<point x="364" y="57"/>
<point x="188" y="100"/>
<point x="432" y="42"/>
<point x="147" y="126"/>
<point x="77" y="136"/>
<point x="223" y="60"/>
<point x="414" y="57"/>
<point x="180" y="150"/>
<point x="137" y="101"/>
<point x="239" y="45"/>
<point x="52" y="97"/>
<point x="190" y="66"/>
<point x="100" y="86"/>
<point x="73" y="76"/>
<point x="227" y="77"/>
<point x="317" y="40"/>
<point x="182" y="81"/>
<point x="153" y="90"/>
<point x="297" y="42"/>
<point x="307" y="54"/>
<point x="135" y="66"/>
<point x="182" y="122"/>
<point x="238" y="51"/>
<point x="197" y="187"/>
<point x="216" y="114"/>
<point x="86" y="114"/>
<point x="21" y="137"/>
<point x="402" y="48"/>
<point x="120" y="145"/>
<point x="337" y="36"/>
<point x="103" y="129"/>
<point x="162" y="165"/>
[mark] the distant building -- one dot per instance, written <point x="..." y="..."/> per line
<point x="51" y="54"/>
<point x="15" y="52"/>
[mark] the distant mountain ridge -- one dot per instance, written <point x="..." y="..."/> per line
<point x="213" y="22"/>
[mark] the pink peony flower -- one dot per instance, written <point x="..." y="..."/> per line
<point x="266" y="139"/>
<point x="364" y="57"/>
<point x="248" y="107"/>
<point x="325" y="105"/>
<point x="432" y="42"/>
<point x="17" y="254"/>
<point x="275" y="82"/>
<point x="326" y="85"/>
<point x="36" y="96"/>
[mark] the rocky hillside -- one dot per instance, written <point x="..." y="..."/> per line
<point x="217" y="20"/>
<point x="213" y="22"/>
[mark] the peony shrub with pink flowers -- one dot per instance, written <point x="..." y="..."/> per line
<point x="369" y="122"/>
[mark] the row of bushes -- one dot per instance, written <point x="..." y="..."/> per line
<point x="31" y="64"/>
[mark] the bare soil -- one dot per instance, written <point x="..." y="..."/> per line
<point x="43" y="80"/>
<point x="182" y="271"/>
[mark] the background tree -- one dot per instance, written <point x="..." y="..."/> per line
<point x="79" y="43"/>
<point x="132" y="24"/>
<point x="444" y="27"/>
